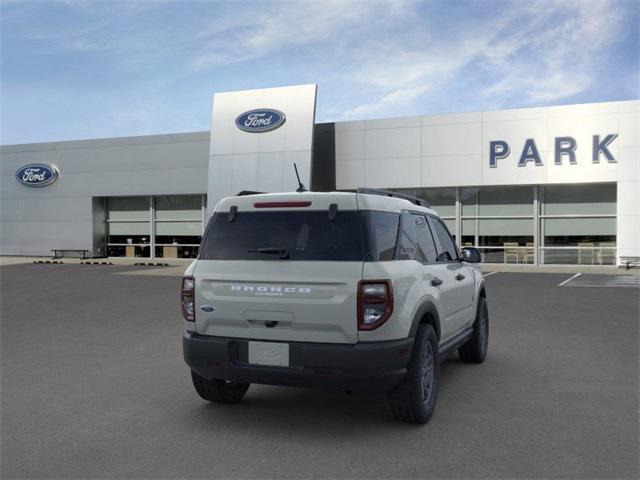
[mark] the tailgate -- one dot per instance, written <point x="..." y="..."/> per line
<point x="306" y="301"/>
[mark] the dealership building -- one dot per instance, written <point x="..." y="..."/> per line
<point x="552" y="185"/>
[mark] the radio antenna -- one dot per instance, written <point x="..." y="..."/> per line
<point x="301" y="187"/>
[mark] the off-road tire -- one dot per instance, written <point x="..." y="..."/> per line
<point x="219" y="391"/>
<point x="474" y="350"/>
<point x="408" y="400"/>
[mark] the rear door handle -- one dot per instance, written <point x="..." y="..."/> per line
<point x="460" y="277"/>
<point x="436" y="282"/>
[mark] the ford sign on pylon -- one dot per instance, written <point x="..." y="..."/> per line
<point x="260" y="120"/>
<point x="37" y="175"/>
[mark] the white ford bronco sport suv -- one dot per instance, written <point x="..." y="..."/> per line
<point x="351" y="291"/>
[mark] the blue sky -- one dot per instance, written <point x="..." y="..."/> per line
<point x="85" y="69"/>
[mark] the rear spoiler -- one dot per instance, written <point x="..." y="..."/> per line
<point x="244" y="193"/>
<point x="388" y="193"/>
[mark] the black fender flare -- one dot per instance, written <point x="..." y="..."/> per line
<point x="481" y="290"/>
<point x="426" y="308"/>
<point x="481" y="293"/>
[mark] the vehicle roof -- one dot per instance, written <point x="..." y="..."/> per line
<point x="320" y="201"/>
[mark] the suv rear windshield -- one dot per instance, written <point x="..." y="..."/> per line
<point x="297" y="235"/>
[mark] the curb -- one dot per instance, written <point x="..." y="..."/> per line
<point x="49" y="261"/>
<point x="151" y="264"/>
<point x="95" y="263"/>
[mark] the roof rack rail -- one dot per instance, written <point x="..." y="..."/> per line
<point x="388" y="193"/>
<point x="248" y="192"/>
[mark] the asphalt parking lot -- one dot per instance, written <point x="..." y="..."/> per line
<point x="94" y="386"/>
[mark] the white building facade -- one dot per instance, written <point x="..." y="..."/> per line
<point x="553" y="185"/>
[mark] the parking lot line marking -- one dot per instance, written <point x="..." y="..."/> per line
<point x="489" y="274"/>
<point x="569" y="279"/>
<point x="628" y="281"/>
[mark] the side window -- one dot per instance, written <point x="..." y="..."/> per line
<point x="447" y="246"/>
<point x="406" y="239"/>
<point x="426" y="245"/>
<point x="415" y="241"/>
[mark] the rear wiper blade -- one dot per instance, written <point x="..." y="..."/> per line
<point x="283" y="252"/>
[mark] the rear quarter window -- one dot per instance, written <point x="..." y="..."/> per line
<point x="380" y="233"/>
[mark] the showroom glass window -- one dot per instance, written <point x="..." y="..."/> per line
<point x="167" y="226"/>
<point x="569" y="224"/>
<point x="129" y="227"/>
<point x="578" y="224"/>
<point x="499" y="221"/>
<point x="178" y="224"/>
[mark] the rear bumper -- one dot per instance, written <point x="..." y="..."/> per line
<point x="374" y="367"/>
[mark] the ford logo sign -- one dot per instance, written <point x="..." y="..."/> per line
<point x="260" y="120"/>
<point x="37" y="175"/>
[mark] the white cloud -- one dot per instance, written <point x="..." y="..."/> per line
<point x="389" y="102"/>
<point x="536" y="52"/>
<point x="554" y="56"/>
<point x="257" y="32"/>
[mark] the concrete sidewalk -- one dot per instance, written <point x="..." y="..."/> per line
<point x="121" y="261"/>
<point x="485" y="267"/>
<point x="521" y="268"/>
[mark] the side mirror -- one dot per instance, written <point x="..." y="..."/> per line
<point x="471" y="255"/>
<point x="444" y="257"/>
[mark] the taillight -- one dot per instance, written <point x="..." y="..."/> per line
<point x="375" y="303"/>
<point x="188" y="299"/>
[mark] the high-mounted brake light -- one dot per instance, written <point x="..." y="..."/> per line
<point x="281" y="204"/>
<point x="188" y="299"/>
<point x="375" y="303"/>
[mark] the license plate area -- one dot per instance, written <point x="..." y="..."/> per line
<point x="269" y="353"/>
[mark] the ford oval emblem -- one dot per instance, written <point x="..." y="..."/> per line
<point x="260" y="120"/>
<point x="37" y="175"/>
